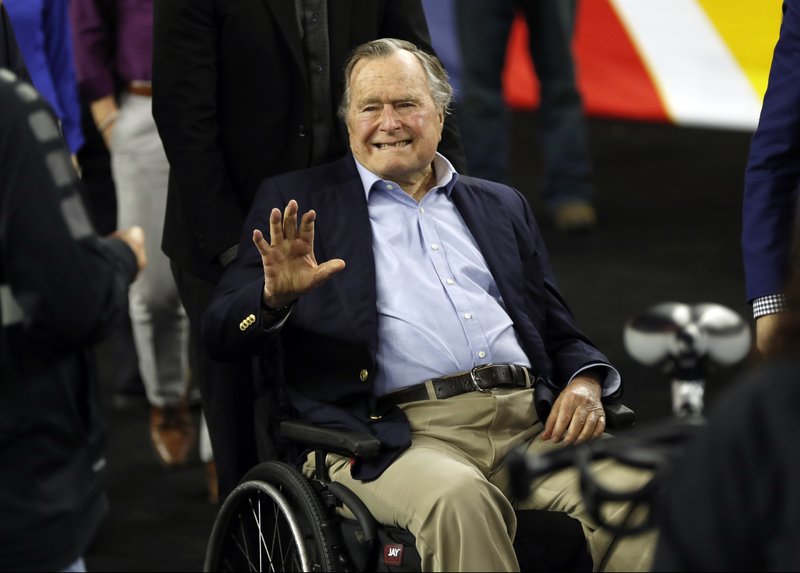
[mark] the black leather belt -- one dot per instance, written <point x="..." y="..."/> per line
<point x="481" y="378"/>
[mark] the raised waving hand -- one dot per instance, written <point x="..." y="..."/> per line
<point x="290" y="267"/>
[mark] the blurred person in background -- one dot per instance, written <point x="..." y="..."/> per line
<point x="483" y="28"/>
<point x="113" y="47"/>
<point x="43" y="34"/>
<point x="61" y="289"/>
<point x="772" y="185"/>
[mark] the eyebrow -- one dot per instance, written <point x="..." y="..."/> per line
<point x="373" y="99"/>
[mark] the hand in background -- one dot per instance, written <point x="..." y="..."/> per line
<point x="134" y="238"/>
<point x="767" y="329"/>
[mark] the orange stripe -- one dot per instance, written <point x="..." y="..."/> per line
<point x="612" y="78"/>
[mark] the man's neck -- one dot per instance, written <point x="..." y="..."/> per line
<point x="417" y="190"/>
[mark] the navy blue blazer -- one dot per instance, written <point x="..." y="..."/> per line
<point x="772" y="177"/>
<point x="327" y="346"/>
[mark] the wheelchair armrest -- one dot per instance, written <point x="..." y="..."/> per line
<point x="342" y="442"/>
<point x="618" y="416"/>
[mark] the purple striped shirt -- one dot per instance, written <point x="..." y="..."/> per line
<point x="131" y="45"/>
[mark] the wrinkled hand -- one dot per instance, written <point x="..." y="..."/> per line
<point x="134" y="238"/>
<point x="577" y="415"/>
<point x="290" y="268"/>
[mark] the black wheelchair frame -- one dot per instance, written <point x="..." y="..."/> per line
<point x="278" y="519"/>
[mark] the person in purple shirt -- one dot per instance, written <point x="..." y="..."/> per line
<point x="43" y="35"/>
<point x="113" y="51"/>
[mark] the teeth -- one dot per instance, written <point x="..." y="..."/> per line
<point x="396" y="144"/>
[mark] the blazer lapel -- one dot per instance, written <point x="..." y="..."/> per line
<point x="346" y="203"/>
<point x="286" y="17"/>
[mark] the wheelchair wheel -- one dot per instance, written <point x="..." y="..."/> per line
<point x="272" y="521"/>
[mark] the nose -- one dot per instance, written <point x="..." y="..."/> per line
<point x="390" y="120"/>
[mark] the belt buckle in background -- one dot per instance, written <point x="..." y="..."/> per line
<point x="475" y="371"/>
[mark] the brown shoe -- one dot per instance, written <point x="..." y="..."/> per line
<point x="575" y="217"/>
<point x="213" y="485"/>
<point x="172" y="433"/>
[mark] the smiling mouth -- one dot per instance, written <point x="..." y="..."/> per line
<point x="395" y="145"/>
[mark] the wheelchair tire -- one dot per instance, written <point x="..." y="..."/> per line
<point x="272" y="521"/>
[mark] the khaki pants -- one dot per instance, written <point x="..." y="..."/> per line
<point x="450" y="487"/>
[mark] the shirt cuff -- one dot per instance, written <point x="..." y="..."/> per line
<point x="770" y="304"/>
<point x="612" y="381"/>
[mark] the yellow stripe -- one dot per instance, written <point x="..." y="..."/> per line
<point x="750" y="29"/>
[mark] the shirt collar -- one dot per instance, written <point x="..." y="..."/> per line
<point x="446" y="175"/>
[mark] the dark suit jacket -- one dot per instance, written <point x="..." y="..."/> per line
<point x="232" y="103"/>
<point x="331" y="334"/>
<point x="772" y="178"/>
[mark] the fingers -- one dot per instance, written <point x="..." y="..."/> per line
<point x="570" y="423"/>
<point x="290" y="220"/>
<point x="283" y="226"/>
<point x="275" y="227"/>
<point x="307" y="226"/>
<point x="260" y="242"/>
<point x="327" y="269"/>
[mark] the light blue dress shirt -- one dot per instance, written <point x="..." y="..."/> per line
<point x="439" y="309"/>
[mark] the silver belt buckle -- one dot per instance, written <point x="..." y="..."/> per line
<point x="474" y="380"/>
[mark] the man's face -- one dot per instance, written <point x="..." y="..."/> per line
<point x="393" y="124"/>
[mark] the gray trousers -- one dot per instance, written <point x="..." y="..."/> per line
<point x="450" y="488"/>
<point x="160" y="327"/>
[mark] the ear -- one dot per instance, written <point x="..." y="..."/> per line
<point x="441" y="124"/>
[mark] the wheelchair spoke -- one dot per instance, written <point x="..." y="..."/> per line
<point x="241" y="543"/>
<point x="270" y="518"/>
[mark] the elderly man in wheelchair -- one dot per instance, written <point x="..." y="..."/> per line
<point x="433" y="326"/>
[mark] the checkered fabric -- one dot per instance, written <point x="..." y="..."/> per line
<point x="769" y="304"/>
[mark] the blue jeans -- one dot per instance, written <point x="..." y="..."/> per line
<point x="484" y="120"/>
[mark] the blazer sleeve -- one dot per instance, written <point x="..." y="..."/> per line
<point x="185" y="76"/>
<point x="772" y="176"/>
<point x="233" y="326"/>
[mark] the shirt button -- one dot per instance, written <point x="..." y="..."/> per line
<point x="390" y="187"/>
<point x="435" y="247"/>
<point x="481" y="354"/>
<point x="422" y="209"/>
<point x="314" y="18"/>
<point x="451" y="282"/>
<point x="468" y="315"/>
<point x="318" y="68"/>
<point x="363" y="375"/>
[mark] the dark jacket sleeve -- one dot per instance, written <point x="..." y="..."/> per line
<point x="772" y="176"/>
<point x="70" y="284"/>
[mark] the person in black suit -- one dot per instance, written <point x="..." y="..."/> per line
<point x="243" y="90"/>
<point x="418" y="305"/>
<point x="62" y="288"/>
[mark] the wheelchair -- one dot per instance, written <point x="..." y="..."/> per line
<point x="277" y="519"/>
